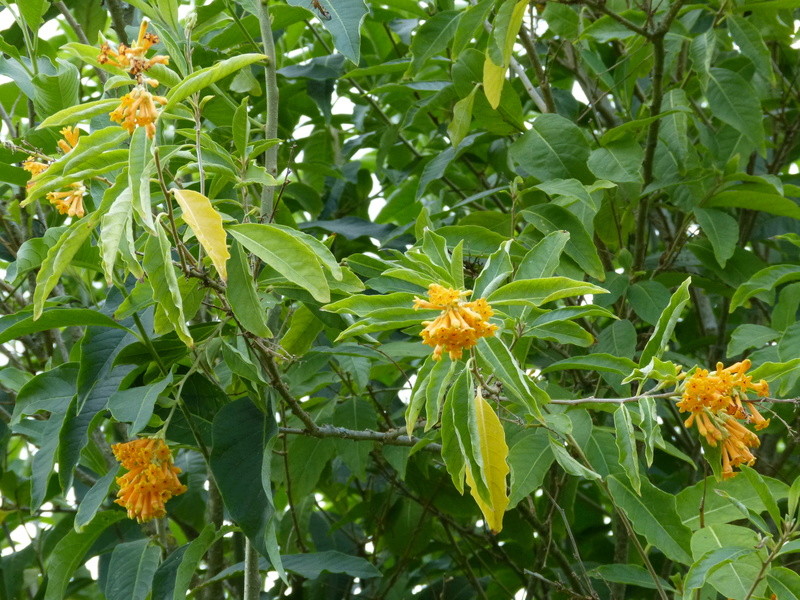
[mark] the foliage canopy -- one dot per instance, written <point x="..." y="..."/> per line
<point x="287" y="280"/>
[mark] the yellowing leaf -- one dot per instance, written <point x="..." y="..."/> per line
<point x="493" y="78"/>
<point x="206" y="223"/>
<point x="494" y="452"/>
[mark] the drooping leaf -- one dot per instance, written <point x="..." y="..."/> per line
<point x="493" y="450"/>
<point x="161" y="274"/>
<point x="242" y="295"/>
<point x="206" y="224"/>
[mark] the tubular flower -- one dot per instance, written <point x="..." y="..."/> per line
<point x="69" y="202"/>
<point x="151" y="479"/>
<point x="131" y="58"/>
<point x="34" y="167"/>
<point x="71" y="135"/>
<point x="459" y="326"/>
<point x="717" y="401"/>
<point x="138" y="109"/>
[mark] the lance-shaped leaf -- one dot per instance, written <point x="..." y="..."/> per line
<point x="135" y="405"/>
<point x="666" y="323"/>
<point x="243" y="297"/>
<point x="161" y="273"/>
<point x="535" y="292"/>
<point x="113" y="228"/>
<point x="496" y="359"/>
<point x="626" y="445"/>
<point x="140" y="165"/>
<point x="206" y="224"/>
<point x="131" y="570"/>
<point x="344" y="24"/>
<point x="498" y="55"/>
<point x="287" y="254"/>
<point x="80" y="112"/>
<point x="205" y="77"/>
<point x="58" y="259"/>
<point x="491" y="445"/>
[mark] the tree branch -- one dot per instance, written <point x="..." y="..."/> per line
<point x="271" y="91"/>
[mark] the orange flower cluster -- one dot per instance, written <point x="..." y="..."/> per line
<point x="133" y="58"/>
<point x="138" y="108"/>
<point x="716" y="400"/>
<point x="151" y="479"/>
<point x="459" y="326"/>
<point x="68" y="202"/>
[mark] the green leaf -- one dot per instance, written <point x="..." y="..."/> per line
<point x="495" y="271"/>
<point x="710" y="563"/>
<point x="764" y="493"/>
<point x="765" y="280"/>
<point x="648" y="299"/>
<point x="580" y="246"/>
<point x="50" y="390"/>
<point x="653" y="514"/>
<point x="173" y="579"/>
<point x="362" y="305"/>
<point x="562" y="20"/>
<point x="542" y="260"/>
<point x="140" y="166"/>
<point x="93" y="500"/>
<point x="18" y="325"/>
<point x="496" y="358"/>
<point x="432" y="38"/>
<point x="733" y="100"/>
<point x="732" y="579"/>
<point x="113" y="229"/>
<point x="530" y="458"/>
<point x="313" y="564"/>
<point x="161" y="275"/>
<point x="554" y="148"/>
<point x="453" y="453"/>
<point x="285" y="253"/>
<point x="70" y="550"/>
<point x="594" y="362"/>
<point x="205" y="77"/>
<point x="618" y="162"/>
<point x="131" y="570"/>
<point x="535" y="292"/>
<point x="458" y="128"/>
<point x="751" y="44"/>
<point x="626" y="445"/>
<point x="666" y="323"/>
<point x="135" y="405"/>
<point x="784" y="583"/>
<point x="628" y="574"/>
<point x="242" y="295"/>
<point x="32" y="12"/>
<point x="79" y="112"/>
<point x="236" y="457"/>
<point x="56" y="92"/>
<point x="568" y="463"/>
<point x="58" y="259"/>
<point x="344" y="25"/>
<point x="745" y="196"/>
<point x="750" y="336"/>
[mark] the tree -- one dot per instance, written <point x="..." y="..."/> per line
<point x="336" y="299"/>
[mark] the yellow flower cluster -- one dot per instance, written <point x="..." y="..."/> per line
<point x="138" y="107"/>
<point x="716" y="400"/>
<point x="459" y="326"/>
<point x="133" y="58"/>
<point x="68" y="202"/>
<point x="151" y="479"/>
